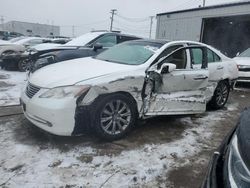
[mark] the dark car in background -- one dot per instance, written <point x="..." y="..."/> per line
<point x="230" y="164"/>
<point x="89" y="44"/>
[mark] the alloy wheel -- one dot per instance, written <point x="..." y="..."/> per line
<point x="221" y="94"/>
<point x="115" y="117"/>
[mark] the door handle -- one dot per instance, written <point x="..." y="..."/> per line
<point x="201" y="77"/>
<point x="220" y="67"/>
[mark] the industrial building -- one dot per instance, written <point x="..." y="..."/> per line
<point x="226" y="26"/>
<point x="31" y="29"/>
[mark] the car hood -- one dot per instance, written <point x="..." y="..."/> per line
<point x="46" y="46"/>
<point x="74" y="71"/>
<point x="242" y="60"/>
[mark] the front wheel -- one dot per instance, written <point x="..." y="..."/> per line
<point x="114" y="117"/>
<point x="220" y="96"/>
<point x="24" y="65"/>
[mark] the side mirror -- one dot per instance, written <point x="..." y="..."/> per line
<point x="238" y="53"/>
<point x="97" y="46"/>
<point x="166" y="68"/>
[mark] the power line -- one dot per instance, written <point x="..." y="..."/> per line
<point x="144" y="28"/>
<point x="133" y="19"/>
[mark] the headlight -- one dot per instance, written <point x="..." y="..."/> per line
<point x="65" y="92"/>
<point x="45" y="60"/>
<point x="238" y="172"/>
<point x="10" y="53"/>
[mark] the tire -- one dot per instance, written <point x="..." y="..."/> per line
<point x="114" y="117"/>
<point x="220" y="96"/>
<point x="23" y="65"/>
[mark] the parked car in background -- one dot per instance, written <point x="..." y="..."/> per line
<point x="17" y="39"/>
<point x="4" y="42"/>
<point x="89" y="44"/>
<point x="6" y="35"/>
<point x="135" y="79"/>
<point x="230" y="164"/>
<point x="243" y="62"/>
<point x="11" y="52"/>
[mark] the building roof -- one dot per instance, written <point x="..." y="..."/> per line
<point x="207" y="7"/>
<point x="22" y="22"/>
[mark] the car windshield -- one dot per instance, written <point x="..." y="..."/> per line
<point x="84" y="39"/>
<point x="130" y="53"/>
<point x="246" y="53"/>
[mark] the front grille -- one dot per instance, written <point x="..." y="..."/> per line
<point x="243" y="78"/>
<point x="31" y="90"/>
<point x="244" y="69"/>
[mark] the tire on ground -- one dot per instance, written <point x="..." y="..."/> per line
<point x="215" y="103"/>
<point x="99" y="107"/>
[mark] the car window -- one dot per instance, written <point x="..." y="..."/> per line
<point x="196" y="56"/>
<point x="130" y="53"/>
<point x="107" y="41"/>
<point x="212" y="57"/>
<point x="246" y="53"/>
<point x="179" y="58"/>
<point x="167" y="51"/>
<point x="125" y="38"/>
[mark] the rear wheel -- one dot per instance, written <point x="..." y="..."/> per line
<point x="220" y="96"/>
<point x="114" y="117"/>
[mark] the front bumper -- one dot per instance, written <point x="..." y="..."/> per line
<point x="56" y="116"/>
<point x="244" y="76"/>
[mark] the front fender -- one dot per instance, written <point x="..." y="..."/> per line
<point x="127" y="85"/>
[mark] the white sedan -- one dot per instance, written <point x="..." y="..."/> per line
<point x="243" y="62"/>
<point x="136" y="79"/>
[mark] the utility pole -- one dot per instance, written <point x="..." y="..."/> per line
<point x="2" y="22"/>
<point x="151" y="24"/>
<point x="204" y="3"/>
<point x="112" y="18"/>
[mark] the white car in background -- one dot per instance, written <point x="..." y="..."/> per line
<point x="135" y="79"/>
<point x="20" y="45"/>
<point x="243" y="62"/>
<point x="11" y="50"/>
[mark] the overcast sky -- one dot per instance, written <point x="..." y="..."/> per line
<point x="86" y="15"/>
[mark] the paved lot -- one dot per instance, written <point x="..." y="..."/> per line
<point x="162" y="152"/>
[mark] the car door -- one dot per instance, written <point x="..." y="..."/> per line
<point x="215" y="65"/>
<point x="178" y="91"/>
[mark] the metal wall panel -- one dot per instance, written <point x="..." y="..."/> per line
<point x="188" y="25"/>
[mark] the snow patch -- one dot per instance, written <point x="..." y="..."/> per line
<point x="11" y="84"/>
<point x="137" y="167"/>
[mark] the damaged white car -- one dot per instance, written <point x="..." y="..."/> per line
<point x="136" y="79"/>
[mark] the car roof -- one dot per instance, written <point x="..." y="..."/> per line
<point x="158" y="41"/>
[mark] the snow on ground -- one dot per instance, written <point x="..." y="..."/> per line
<point x="11" y="84"/>
<point x="26" y="165"/>
<point x="29" y="165"/>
